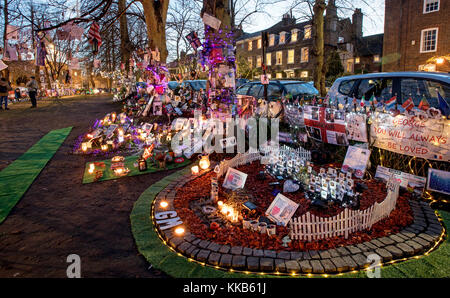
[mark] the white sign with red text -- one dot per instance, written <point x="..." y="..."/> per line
<point x="410" y="135"/>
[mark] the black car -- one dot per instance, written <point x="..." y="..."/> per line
<point x="276" y="89"/>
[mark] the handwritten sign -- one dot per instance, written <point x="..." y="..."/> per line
<point x="409" y="135"/>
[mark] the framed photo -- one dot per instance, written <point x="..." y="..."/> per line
<point x="438" y="181"/>
<point x="332" y="184"/>
<point x="157" y="108"/>
<point x="333" y="193"/>
<point x="234" y="179"/>
<point x="309" y="169"/>
<point x="322" y="171"/>
<point x="324" y="194"/>
<point x="341" y="176"/>
<point x="281" y="210"/>
<point x="332" y="172"/>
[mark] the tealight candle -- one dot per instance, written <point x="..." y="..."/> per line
<point x="179" y="231"/>
<point x="195" y="170"/>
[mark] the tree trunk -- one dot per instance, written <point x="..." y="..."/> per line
<point x="219" y="10"/>
<point x="155" y="13"/>
<point x="318" y="48"/>
<point x="125" y="44"/>
<point x="5" y="41"/>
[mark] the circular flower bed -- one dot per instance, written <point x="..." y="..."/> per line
<point x="261" y="195"/>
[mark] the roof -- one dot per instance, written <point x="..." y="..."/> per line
<point x="412" y="74"/>
<point x="369" y="45"/>
<point x="277" y="28"/>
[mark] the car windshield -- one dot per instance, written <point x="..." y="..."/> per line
<point x="300" y="89"/>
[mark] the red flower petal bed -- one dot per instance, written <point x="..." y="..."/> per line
<point x="199" y="188"/>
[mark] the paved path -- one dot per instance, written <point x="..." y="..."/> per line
<point x="59" y="215"/>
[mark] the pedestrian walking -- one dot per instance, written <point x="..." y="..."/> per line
<point x="4" y="88"/>
<point x="32" y="86"/>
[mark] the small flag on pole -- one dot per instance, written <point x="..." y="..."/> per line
<point x="424" y="105"/>
<point x="408" y="104"/>
<point x="391" y="103"/>
<point x="363" y="99"/>
<point x="443" y="106"/>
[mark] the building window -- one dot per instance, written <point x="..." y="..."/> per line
<point x="428" y="41"/>
<point x="268" y="59"/>
<point x="294" y="35"/>
<point x="304" y="74"/>
<point x="304" y="55"/>
<point x="376" y="58"/>
<point x="250" y="45"/>
<point x="259" y="43"/>
<point x="349" y="66"/>
<point x="307" y="32"/>
<point x="258" y="61"/>
<point x="272" y="40"/>
<point x="430" y="6"/>
<point x="357" y="60"/>
<point x="282" y="37"/>
<point x="279" y="75"/>
<point x="279" y="58"/>
<point x="290" y="59"/>
<point x="250" y="62"/>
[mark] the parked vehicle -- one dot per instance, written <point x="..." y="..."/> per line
<point x="173" y="85"/>
<point x="240" y="82"/>
<point x="196" y="85"/>
<point x="276" y="89"/>
<point x="388" y="84"/>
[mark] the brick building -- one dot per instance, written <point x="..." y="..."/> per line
<point x="290" y="45"/>
<point x="417" y="35"/>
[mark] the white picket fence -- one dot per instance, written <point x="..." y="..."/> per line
<point x="239" y="160"/>
<point x="310" y="227"/>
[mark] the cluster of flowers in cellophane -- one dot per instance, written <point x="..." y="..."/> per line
<point x="119" y="133"/>
<point x="400" y="217"/>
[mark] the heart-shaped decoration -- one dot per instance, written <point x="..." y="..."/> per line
<point x="290" y="186"/>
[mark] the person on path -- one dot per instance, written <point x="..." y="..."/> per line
<point x="32" y="86"/>
<point x="4" y="88"/>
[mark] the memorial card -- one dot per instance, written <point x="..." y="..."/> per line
<point x="356" y="159"/>
<point x="234" y="179"/>
<point x="281" y="210"/>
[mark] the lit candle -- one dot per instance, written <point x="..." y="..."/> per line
<point x="104" y="147"/>
<point x="84" y="146"/>
<point x="179" y="231"/>
<point x="195" y="170"/>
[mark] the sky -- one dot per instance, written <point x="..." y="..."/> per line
<point x="373" y="20"/>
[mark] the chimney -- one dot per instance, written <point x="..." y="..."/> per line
<point x="357" y="22"/>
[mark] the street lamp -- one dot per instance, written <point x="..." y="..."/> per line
<point x="440" y="60"/>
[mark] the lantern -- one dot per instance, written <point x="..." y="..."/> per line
<point x="84" y="146"/>
<point x="204" y="162"/>
<point x="194" y="170"/>
<point x="104" y="147"/>
<point x="164" y="204"/>
<point x="142" y="163"/>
